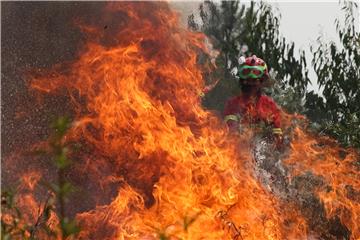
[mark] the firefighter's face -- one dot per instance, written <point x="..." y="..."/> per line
<point x="249" y="88"/>
<point x="251" y="82"/>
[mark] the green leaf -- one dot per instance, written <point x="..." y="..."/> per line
<point x="69" y="227"/>
<point x="61" y="159"/>
<point x="61" y="125"/>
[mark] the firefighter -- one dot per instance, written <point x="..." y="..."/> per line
<point x="251" y="106"/>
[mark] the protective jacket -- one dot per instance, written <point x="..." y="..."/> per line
<point x="253" y="109"/>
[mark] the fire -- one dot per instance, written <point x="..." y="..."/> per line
<point x="339" y="172"/>
<point x="178" y="173"/>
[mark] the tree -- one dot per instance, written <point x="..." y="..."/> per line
<point x="337" y="111"/>
<point x="236" y="30"/>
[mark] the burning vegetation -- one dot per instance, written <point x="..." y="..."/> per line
<point x="152" y="163"/>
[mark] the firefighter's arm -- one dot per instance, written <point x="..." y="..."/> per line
<point x="272" y="114"/>
<point x="270" y="111"/>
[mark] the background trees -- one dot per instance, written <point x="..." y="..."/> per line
<point x="236" y="29"/>
<point x="337" y="111"/>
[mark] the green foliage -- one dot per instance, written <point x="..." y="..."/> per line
<point x="62" y="188"/>
<point x="174" y="231"/>
<point x="14" y="224"/>
<point x="11" y="225"/>
<point x="68" y="227"/>
<point x="337" y="111"/>
<point x="236" y="29"/>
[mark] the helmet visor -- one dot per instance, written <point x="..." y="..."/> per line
<point x="246" y="72"/>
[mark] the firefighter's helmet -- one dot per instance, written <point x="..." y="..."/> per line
<point x="252" y="70"/>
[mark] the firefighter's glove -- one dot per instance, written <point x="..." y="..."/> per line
<point x="278" y="138"/>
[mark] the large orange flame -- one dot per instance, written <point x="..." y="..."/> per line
<point x="135" y="90"/>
